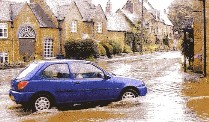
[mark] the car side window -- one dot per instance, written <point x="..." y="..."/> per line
<point x="56" y="71"/>
<point x="84" y="70"/>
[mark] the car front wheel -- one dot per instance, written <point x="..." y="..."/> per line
<point x="128" y="94"/>
<point x="42" y="102"/>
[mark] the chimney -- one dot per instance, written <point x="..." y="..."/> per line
<point x="129" y="6"/>
<point x="165" y="12"/>
<point x="109" y="7"/>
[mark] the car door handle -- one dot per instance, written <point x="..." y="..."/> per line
<point x="77" y="82"/>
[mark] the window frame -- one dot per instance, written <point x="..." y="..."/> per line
<point x="99" y="27"/>
<point x="56" y="78"/>
<point x="85" y="73"/>
<point x="4" y="57"/>
<point x="4" y="28"/>
<point x="48" y="48"/>
<point x="74" y="26"/>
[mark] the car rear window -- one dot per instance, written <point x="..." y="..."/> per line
<point x="27" y="70"/>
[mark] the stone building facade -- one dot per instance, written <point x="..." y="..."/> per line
<point x="32" y="31"/>
<point x="201" y="45"/>
<point x="27" y="33"/>
<point x="198" y="36"/>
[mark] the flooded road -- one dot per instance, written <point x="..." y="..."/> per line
<point x="162" y="74"/>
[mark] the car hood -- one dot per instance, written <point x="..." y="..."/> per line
<point x="128" y="81"/>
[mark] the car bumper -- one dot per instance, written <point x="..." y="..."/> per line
<point x="20" y="97"/>
<point x="142" y="90"/>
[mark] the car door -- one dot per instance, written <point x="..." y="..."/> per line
<point x="57" y="77"/>
<point x="90" y="82"/>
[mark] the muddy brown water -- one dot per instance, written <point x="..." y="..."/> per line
<point x="162" y="74"/>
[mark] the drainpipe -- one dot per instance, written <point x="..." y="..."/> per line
<point x="60" y="38"/>
<point x="141" y="36"/>
<point x="93" y="31"/>
<point x="205" y="39"/>
<point x="12" y="27"/>
<point x="13" y="52"/>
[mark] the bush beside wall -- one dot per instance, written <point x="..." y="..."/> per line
<point x="108" y="48"/>
<point x="101" y="49"/>
<point x="117" y="45"/>
<point x="81" y="49"/>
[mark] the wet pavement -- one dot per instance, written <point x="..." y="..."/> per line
<point x="162" y="74"/>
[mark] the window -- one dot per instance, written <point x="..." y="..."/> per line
<point x="84" y="70"/>
<point x="3" y="30"/>
<point x="48" y="48"/>
<point x="3" y="58"/>
<point x="74" y="26"/>
<point x="27" y="70"/>
<point x="56" y="71"/>
<point x="26" y="32"/>
<point x="150" y="29"/>
<point x="99" y="27"/>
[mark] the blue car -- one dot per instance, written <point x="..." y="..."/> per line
<point x="44" y="84"/>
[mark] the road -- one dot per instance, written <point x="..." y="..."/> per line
<point x="162" y="74"/>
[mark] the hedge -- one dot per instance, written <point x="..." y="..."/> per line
<point x="108" y="48"/>
<point x="102" y="51"/>
<point x="81" y="49"/>
<point x="117" y="46"/>
<point x="127" y="49"/>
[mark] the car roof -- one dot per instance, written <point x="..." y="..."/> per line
<point x="60" y="61"/>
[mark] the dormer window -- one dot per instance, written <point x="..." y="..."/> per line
<point x="74" y="26"/>
<point x="3" y="30"/>
<point x="99" y="27"/>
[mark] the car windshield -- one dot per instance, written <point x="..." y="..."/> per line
<point x="27" y="70"/>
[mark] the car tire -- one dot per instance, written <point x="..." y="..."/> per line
<point x="42" y="102"/>
<point x="128" y="94"/>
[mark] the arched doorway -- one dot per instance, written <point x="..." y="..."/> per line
<point x="27" y="37"/>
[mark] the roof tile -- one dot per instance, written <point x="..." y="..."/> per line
<point x="117" y="22"/>
<point x="43" y="19"/>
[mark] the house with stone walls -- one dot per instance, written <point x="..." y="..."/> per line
<point x="27" y="32"/>
<point x="132" y="10"/>
<point x="118" y="27"/>
<point x="31" y="30"/>
<point x="199" y="64"/>
<point x="88" y="21"/>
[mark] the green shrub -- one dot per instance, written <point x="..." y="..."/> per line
<point x="101" y="49"/>
<point x="81" y="49"/>
<point x="117" y="46"/>
<point x="127" y="49"/>
<point x="108" y="48"/>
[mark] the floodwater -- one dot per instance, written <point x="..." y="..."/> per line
<point x="162" y="74"/>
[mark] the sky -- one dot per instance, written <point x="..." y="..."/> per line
<point x="116" y="4"/>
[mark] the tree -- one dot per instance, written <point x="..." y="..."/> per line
<point x="180" y="10"/>
<point x="138" y="40"/>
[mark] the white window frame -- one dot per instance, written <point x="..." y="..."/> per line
<point x="73" y="26"/>
<point x="27" y="32"/>
<point x="48" y="48"/>
<point x="4" y="58"/>
<point x="4" y="30"/>
<point x="99" y="27"/>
